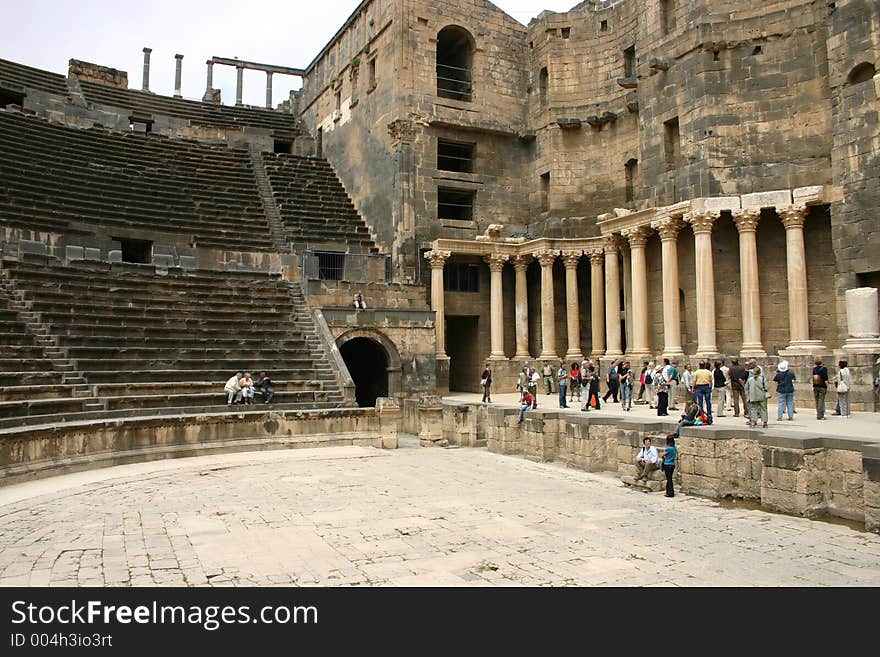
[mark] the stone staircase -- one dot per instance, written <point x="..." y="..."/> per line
<point x="270" y="207"/>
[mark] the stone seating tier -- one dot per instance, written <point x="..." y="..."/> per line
<point x="33" y="78"/>
<point x="221" y="116"/>
<point x="145" y="340"/>
<point x="54" y="176"/>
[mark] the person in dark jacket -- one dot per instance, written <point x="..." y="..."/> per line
<point x="486" y="382"/>
<point x="785" y="389"/>
<point x="264" y="385"/>
<point x="820" y="387"/>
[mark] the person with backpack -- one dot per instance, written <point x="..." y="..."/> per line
<point x="613" y="381"/>
<point x="672" y="378"/>
<point x="650" y="389"/>
<point x="703" y="389"/>
<point x="820" y="387"/>
<point x="486" y="383"/>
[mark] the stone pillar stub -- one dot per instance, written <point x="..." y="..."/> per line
<point x="178" y="74"/>
<point x="145" y="86"/>
<point x="239" y="86"/>
<point x="638" y="239"/>
<point x="520" y="265"/>
<point x="862" y="321"/>
<point x="268" y="89"/>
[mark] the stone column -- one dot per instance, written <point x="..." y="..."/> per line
<point x="668" y="228"/>
<point x="747" y="225"/>
<point x="702" y="223"/>
<point x="438" y="262"/>
<point x="239" y="86"/>
<point x="638" y="239"/>
<point x="548" y="315"/>
<point x="496" y="305"/>
<point x="793" y="218"/>
<point x="268" y="89"/>
<point x="520" y="264"/>
<point x="572" y="310"/>
<point x="626" y="289"/>
<point x="145" y="86"/>
<point x="597" y="301"/>
<point x="178" y="73"/>
<point x="210" y="82"/>
<point x="612" y="299"/>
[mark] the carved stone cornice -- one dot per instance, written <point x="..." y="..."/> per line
<point x="793" y="216"/>
<point x="668" y="228"/>
<point x="702" y="221"/>
<point x="546" y="257"/>
<point x="402" y="131"/>
<point x="637" y="236"/>
<point x="495" y="261"/>
<point x="747" y="220"/>
<point x="438" y="258"/>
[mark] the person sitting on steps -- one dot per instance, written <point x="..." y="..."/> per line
<point x="647" y="460"/>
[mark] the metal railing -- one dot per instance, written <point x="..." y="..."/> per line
<point x="454" y="82"/>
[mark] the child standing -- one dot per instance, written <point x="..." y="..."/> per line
<point x="669" y="453"/>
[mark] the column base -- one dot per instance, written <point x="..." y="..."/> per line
<point x="862" y="346"/>
<point x="639" y="355"/>
<point x="804" y="348"/>
<point x="707" y="352"/>
<point x="497" y="357"/>
<point x="550" y="358"/>
<point x="673" y="353"/>
<point x="574" y="356"/>
<point x="527" y="356"/>
<point x="752" y="351"/>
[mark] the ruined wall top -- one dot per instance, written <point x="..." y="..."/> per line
<point x="80" y="70"/>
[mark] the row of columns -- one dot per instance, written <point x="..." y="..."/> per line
<point x="239" y="84"/>
<point x="605" y="311"/>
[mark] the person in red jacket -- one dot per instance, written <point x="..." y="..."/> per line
<point x="527" y="404"/>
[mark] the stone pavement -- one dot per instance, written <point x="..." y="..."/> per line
<point x="860" y="425"/>
<point x="359" y="516"/>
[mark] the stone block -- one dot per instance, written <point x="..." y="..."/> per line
<point x="188" y="262"/>
<point x="92" y="254"/>
<point x="787" y="459"/>
<point x="810" y="195"/>
<point x="163" y="261"/>
<point x="779" y="479"/>
<point x="31" y="247"/>
<point x="114" y="255"/>
<point x="72" y="253"/>
<point x="706" y="467"/>
<point x="715" y="203"/>
<point x="837" y="460"/>
<point x="777" y="199"/>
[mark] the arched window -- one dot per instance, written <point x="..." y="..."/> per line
<point x="631" y="173"/>
<point x="455" y="60"/>
<point x="544" y="84"/>
<point x="861" y="73"/>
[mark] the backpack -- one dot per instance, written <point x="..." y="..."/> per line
<point x="648" y="379"/>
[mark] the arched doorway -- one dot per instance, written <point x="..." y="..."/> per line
<point x="455" y="59"/>
<point x="373" y="363"/>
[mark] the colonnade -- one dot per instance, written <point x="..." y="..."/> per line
<point x="603" y="254"/>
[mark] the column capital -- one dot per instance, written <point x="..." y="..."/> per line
<point x="438" y="258"/>
<point x="747" y="220"/>
<point x="793" y="216"/>
<point x="597" y="256"/>
<point x="546" y="257"/>
<point x="668" y="227"/>
<point x="611" y="244"/>
<point x="521" y="262"/>
<point x="702" y="221"/>
<point x="637" y="236"/>
<point x="495" y="261"/>
<point x="571" y="259"/>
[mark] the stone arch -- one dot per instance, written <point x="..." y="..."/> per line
<point x="364" y="351"/>
<point x="861" y="73"/>
<point x="455" y="63"/>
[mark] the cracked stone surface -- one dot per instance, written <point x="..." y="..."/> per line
<point x="353" y="516"/>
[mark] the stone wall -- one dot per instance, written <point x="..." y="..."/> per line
<point x="30" y="453"/>
<point x="791" y="472"/>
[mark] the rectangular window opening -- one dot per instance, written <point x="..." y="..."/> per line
<point x="9" y="97"/>
<point x="331" y="265"/>
<point x="455" y="156"/>
<point x="672" y="143"/>
<point x="139" y="252"/>
<point x="629" y="62"/>
<point x="372" y="70"/>
<point x="603" y="26"/>
<point x="455" y="204"/>
<point x="566" y="32"/>
<point x="545" y="192"/>
<point x="461" y="277"/>
<point x="282" y="146"/>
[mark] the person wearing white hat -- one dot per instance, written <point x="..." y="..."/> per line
<point x="785" y="389"/>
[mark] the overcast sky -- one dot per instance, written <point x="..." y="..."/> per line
<point x="47" y="33"/>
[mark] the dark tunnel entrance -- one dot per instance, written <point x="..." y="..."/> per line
<point x="367" y="363"/>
